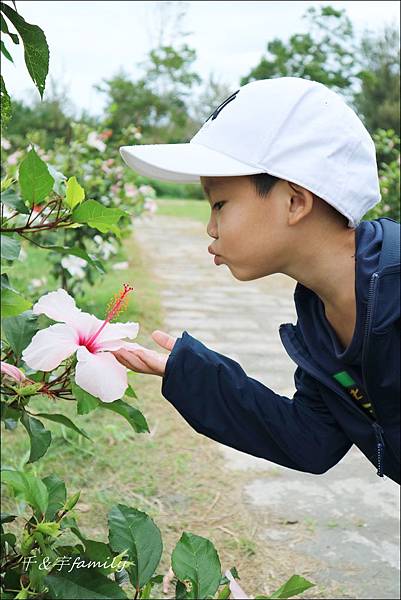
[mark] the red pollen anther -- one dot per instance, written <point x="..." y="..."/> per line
<point x="115" y="308"/>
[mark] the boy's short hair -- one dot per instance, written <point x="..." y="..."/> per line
<point x="264" y="183"/>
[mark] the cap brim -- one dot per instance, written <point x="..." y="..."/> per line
<point x="184" y="163"/>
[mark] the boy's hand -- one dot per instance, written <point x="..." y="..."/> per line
<point x="147" y="361"/>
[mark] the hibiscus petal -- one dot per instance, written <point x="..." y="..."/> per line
<point x="236" y="590"/>
<point x="114" y="345"/>
<point x="50" y="346"/>
<point x="101" y="375"/>
<point x="58" y="306"/>
<point x="118" y="331"/>
<point x="12" y="371"/>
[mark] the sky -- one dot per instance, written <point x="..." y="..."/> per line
<point x="92" y="40"/>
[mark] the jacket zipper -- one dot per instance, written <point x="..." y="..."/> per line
<point x="378" y="430"/>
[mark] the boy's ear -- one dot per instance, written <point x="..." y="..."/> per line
<point x="300" y="203"/>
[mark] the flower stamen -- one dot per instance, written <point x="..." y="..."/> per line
<point x="115" y="308"/>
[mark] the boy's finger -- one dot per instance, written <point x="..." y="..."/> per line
<point x="164" y="340"/>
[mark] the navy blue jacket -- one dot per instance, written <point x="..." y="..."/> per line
<point x="312" y="431"/>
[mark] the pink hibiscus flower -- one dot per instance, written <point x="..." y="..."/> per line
<point x="97" y="371"/>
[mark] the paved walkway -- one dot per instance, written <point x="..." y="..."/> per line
<point x="352" y="514"/>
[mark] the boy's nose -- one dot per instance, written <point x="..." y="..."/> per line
<point x="211" y="229"/>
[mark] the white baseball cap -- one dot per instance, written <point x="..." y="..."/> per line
<point x="292" y="128"/>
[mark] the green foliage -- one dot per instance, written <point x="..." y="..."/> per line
<point x="325" y="54"/>
<point x="196" y="562"/>
<point x="36" y="54"/>
<point x="134" y="532"/>
<point x="35" y="181"/>
<point x="100" y="217"/>
<point x="388" y="158"/>
<point x="378" y="100"/>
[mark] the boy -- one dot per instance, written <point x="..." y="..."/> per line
<point x="289" y="171"/>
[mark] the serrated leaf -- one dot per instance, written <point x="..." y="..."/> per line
<point x="36" y="50"/>
<point x="20" y="330"/>
<point x="34" y="178"/>
<point x="135" y="531"/>
<point x="5" y="103"/>
<point x="64" y="421"/>
<point x="12" y="303"/>
<point x="98" y="216"/>
<point x="32" y="489"/>
<point x="10" y="246"/>
<point x="39" y="436"/>
<point x="134" y="416"/>
<point x="195" y="558"/>
<point x="75" y="194"/>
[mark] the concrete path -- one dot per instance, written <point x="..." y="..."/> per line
<point x="352" y="516"/>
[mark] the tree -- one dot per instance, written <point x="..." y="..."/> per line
<point x="51" y="116"/>
<point x="378" y="100"/>
<point x="325" y="54"/>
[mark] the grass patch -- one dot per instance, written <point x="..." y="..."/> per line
<point x="198" y="210"/>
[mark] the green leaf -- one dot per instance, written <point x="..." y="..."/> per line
<point x="39" y="436"/>
<point x="294" y="586"/>
<point x="20" y="330"/>
<point x="99" y="551"/>
<point x="35" y="181"/>
<point x="90" y="258"/>
<point x="12" y="303"/>
<point x="98" y="216"/>
<point x="134" y="530"/>
<point x="36" y="51"/>
<point x="134" y="416"/>
<point x="195" y="558"/>
<point x="82" y="584"/>
<point x="130" y="392"/>
<point x="4" y="29"/>
<point x="10" y="416"/>
<point x="85" y="401"/>
<point x="59" y="180"/>
<point x="10" y="198"/>
<point x="75" y="194"/>
<point x="64" y="421"/>
<point x="31" y="488"/>
<point x="57" y="495"/>
<point x="5" y="103"/>
<point x="5" y="51"/>
<point x="10" y="246"/>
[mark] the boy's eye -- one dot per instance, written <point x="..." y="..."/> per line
<point x="218" y="205"/>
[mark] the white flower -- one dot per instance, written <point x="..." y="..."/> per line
<point x="74" y="265"/>
<point x="5" y="144"/>
<point x="94" y="141"/>
<point x="98" y="371"/>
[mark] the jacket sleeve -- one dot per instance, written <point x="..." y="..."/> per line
<point x="218" y="399"/>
